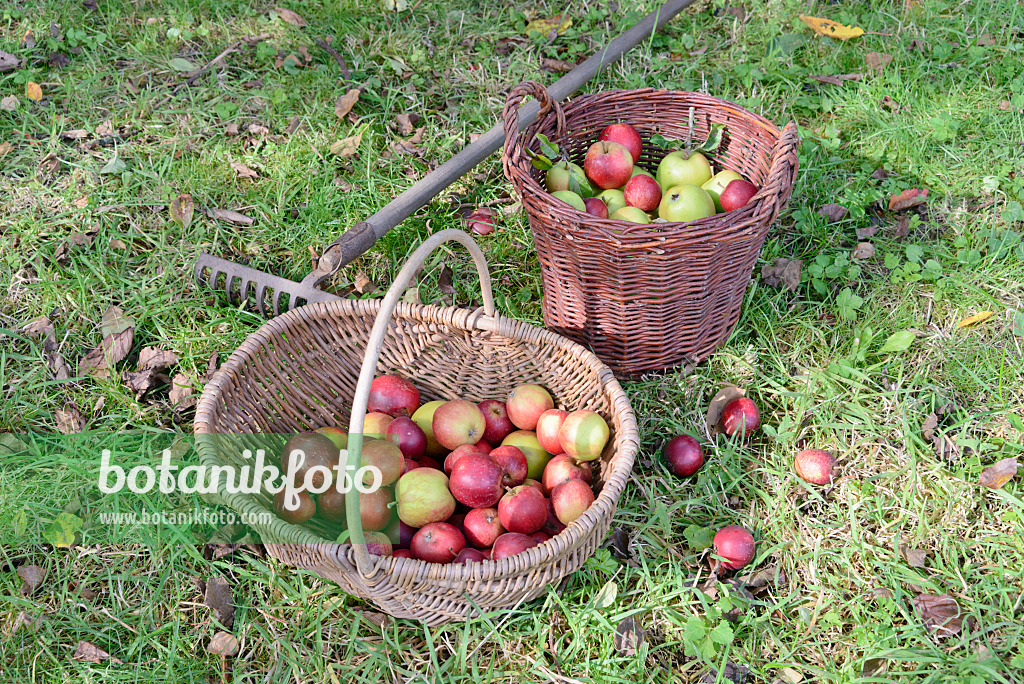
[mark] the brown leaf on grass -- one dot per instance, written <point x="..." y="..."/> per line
<point x="363" y="284"/>
<point x="38" y="328"/>
<point x="155" y="358"/>
<point x="880" y="592"/>
<point x="219" y="598"/>
<point x="223" y="644"/>
<point x="837" y="79"/>
<point x="75" y="134"/>
<point x="976" y="318"/>
<point x="877" y="61"/>
<point x="23" y="621"/>
<point x="864" y="250"/>
<point x="783" y="273"/>
<point x="293" y="125"/>
<point x="5" y="147"/>
<point x="290" y="17"/>
<point x="9" y="103"/>
<point x="182" y="395"/>
<point x="889" y="104"/>
<point x="347" y="146"/>
<point x="93" y="654"/>
<point x="874" y="666"/>
<point x="231" y="129"/>
<point x="54" y="361"/>
<point x="998" y="474"/>
<point x="558" y="66"/>
<point x="916" y="558"/>
<point x="181" y="210"/>
<point x="834" y="212"/>
<point x="864" y="233"/>
<point x="917" y="45"/>
<point x="444" y="280"/>
<point x="986" y="39"/>
<point x="405" y="123"/>
<point x="939" y="613"/>
<point x="112" y="350"/>
<point x="911" y="197"/>
<point x="230" y="216"/>
<point x="880" y="174"/>
<point x="375" y="618"/>
<point x="629" y="637"/>
<point x="32" y="577"/>
<point x="902" y="227"/>
<point x="69" y="420"/>
<point x="718" y="402"/>
<point x="344" y="104"/>
<point x="737" y="674"/>
<point x="141" y="382"/>
<point x="49" y="164"/>
<point x="8" y="62"/>
<point x="116" y="243"/>
<point x="115" y="321"/>
<point x="243" y="171"/>
<point x="105" y="129"/>
<point x="33" y="91"/>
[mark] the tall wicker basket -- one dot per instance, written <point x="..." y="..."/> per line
<point x="313" y="366"/>
<point x="647" y="297"/>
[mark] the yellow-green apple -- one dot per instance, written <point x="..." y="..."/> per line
<point x="482" y="527"/>
<point x="525" y="403"/>
<point x="536" y="456"/>
<point x="375" y="425"/>
<point x="423" y="497"/>
<point x="496" y="417"/>
<point x="522" y="509"/>
<point x="608" y="164"/>
<point x="735" y="545"/>
<point x="424" y="417"/>
<point x="631" y="215"/>
<point x="625" y="135"/>
<point x="548" y="425"/>
<point x="437" y="542"/>
<point x="613" y="199"/>
<point x="685" y="203"/>
<point x="476" y="481"/>
<point x="596" y="207"/>
<point x="511" y="544"/>
<point x="458" y="422"/>
<point x="571" y="499"/>
<point x="716" y="185"/>
<point x="676" y="168"/>
<point x="335" y="434"/>
<point x="562" y="468"/>
<point x="393" y="395"/>
<point x="557" y="178"/>
<point x="637" y="171"/>
<point x="583" y="435"/>
<point x="570" y="198"/>
<point x="814" y="466"/>
<point x="301" y="513"/>
<point x="737" y="194"/>
<point x="642" y="192"/>
<point x="513" y="461"/>
<point x="408" y="436"/>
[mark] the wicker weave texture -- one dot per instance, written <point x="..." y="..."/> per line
<point x="648" y="297"/>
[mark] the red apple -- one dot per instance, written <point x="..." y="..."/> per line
<point x="476" y="481"/>
<point x="571" y="499"/>
<point x="409" y="465"/>
<point x="330" y="505"/>
<point x="458" y="520"/>
<point x="583" y="435"/>
<point x="468" y="555"/>
<point x="437" y="542"/>
<point x="683" y="455"/>
<point x="553" y="525"/>
<point x="393" y="395"/>
<point x="427" y="462"/>
<point x="408" y="436"/>
<point x="562" y="468"/>
<point x="608" y="164"/>
<point x="740" y="417"/>
<point x="307" y="450"/>
<point x="525" y="404"/>
<point x="401" y="553"/>
<point x="513" y="461"/>
<point x="482" y="527"/>
<point x="735" y="545"/>
<point x="305" y="510"/>
<point x="423" y="497"/>
<point x="548" y="425"/>
<point x="815" y="466"/>
<point x="539" y="536"/>
<point x="642" y="192"/>
<point x="510" y="544"/>
<point x="451" y="459"/>
<point x="736" y="194"/>
<point x="405" y="534"/>
<point x="536" y="485"/>
<point x="458" y="422"/>
<point x="595" y="207"/>
<point x="536" y="456"/>
<point x="375" y="425"/>
<point x="496" y="419"/>
<point x="424" y="417"/>
<point x="378" y="544"/>
<point x="384" y="456"/>
<point x="625" y="135"/>
<point x="522" y="509"/>
<point x="374" y="510"/>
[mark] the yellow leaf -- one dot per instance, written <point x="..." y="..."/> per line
<point x="832" y="29"/>
<point x="546" y="26"/>
<point x="33" y="91"/>
<point x="976" y="318"/>
<point x="348" y="146"/>
<point x="346" y="102"/>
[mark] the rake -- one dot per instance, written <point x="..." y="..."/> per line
<point x="268" y="292"/>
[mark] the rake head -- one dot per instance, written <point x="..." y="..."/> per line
<point x="265" y="291"/>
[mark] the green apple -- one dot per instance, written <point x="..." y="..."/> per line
<point x="631" y="214"/>
<point x="613" y="199"/>
<point x="686" y="203"/>
<point x="637" y="171"/>
<point x="678" y="169"/>
<point x="716" y="185"/>
<point x="570" y="198"/>
<point x="557" y="178"/>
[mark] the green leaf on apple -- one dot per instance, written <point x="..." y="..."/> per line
<point x="539" y="161"/>
<point x="665" y="143"/>
<point x="574" y="184"/>
<point x="714" y="139"/>
<point x="547" y="147"/>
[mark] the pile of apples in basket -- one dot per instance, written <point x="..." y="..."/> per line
<point x="520" y="469"/>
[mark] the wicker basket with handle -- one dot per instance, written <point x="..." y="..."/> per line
<point x="647" y="297"/>
<point x="313" y="366"/>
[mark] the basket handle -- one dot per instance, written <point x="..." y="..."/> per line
<point x="514" y="143"/>
<point x="357" y="539"/>
<point x="778" y="187"/>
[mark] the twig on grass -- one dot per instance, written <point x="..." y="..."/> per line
<point x="326" y="47"/>
<point x="248" y="40"/>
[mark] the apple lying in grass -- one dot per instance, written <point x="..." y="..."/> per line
<point x="614" y="199"/>
<point x="477" y="481"/>
<point x="536" y="456"/>
<point x="437" y="542"/>
<point x="424" y="417"/>
<point x="596" y="207"/>
<point x="571" y="499"/>
<point x="682" y="203"/>
<point x="408" y="436"/>
<point x="522" y="509"/>
<point x="625" y="135"/>
<point x="608" y="164"/>
<point x="814" y="466"/>
<point x="525" y="405"/>
<point x="683" y="455"/>
<point x="511" y="544"/>
<point x="496" y="419"/>
<point x="583" y="435"/>
<point x="548" y="425"/>
<point x="678" y="168"/>
<point x="642" y="192"/>
<point x="393" y="395"/>
<point x="304" y="511"/>
<point x="740" y="417"/>
<point x="423" y="497"/>
<point x="737" y="194"/>
<point x="482" y="526"/>
<point x="735" y="545"/>
<point x="570" y="198"/>
<point x="458" y="422"/>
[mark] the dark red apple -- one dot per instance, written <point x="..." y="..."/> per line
<point x="378" y="544"/>
<point x="525" y="403"/>
<point x="409" y="465"/>
<point x="427" y="462"/>
<point x="459" y="521"/>
<point x="307" y="450"/>
<point x="523" y="510"/>
<point x="510" y="544"/>
<point x="476" y="481"/>
<point x="482" y="527"/>
<point x="458" y="422"/>
<point x="571" y="499"/>
<point x="468" y="555"/>
<point x="548" y="425"/>
<point x="562" y="468"/>
<point x="393" y="395"/>
<point x="595" y="207"/>
<point x="330" y="505"/>
<point x="408" y="437"/>
<point x="552" y="525"/>
<point x="608" y="165"/>
<point x="642" y="192"/>
<point x="736" y="194"/>
<point x="401" y="553"/>
<point x="496" y="419"/>
<point x="437" y="542"/>
<point x="735" y="545"/>
<point x="740" y="417"/>
<point x="305" y="510"/>
<point x="815" y="466"/>
<point x="683" y="455"/>
<point x="513" y="460"/>
<point x="374" y="509"/>
<point x="405" y="534"/>
<point x="452" y="458"/>
<point x="539" y="536"/>
<point x="625" y="135"/>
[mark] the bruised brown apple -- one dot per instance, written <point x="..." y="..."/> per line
<point x="814" y="466"/>
<point x="735" y="545"/>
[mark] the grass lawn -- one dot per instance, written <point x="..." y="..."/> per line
<point x="855" y="358"/>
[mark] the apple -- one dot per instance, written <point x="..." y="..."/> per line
<point x="676" y="168"/>
<point x="409" y="465"/>
<point x="740" y="417"/>
<point x="496" y="418"/>
<point x="548" y="425"/>
<point x="571" y="499"/>
<point x="570" y="198"/>
<point x="477" y="481"/>
<point x="393" y="395"/>
<point x="562" y="468"/>
<point x="468" y="555"/>
<point x="384" y="456"/>
<point x="683" y="455"/>
<point x="683" y="203"/>
<point x="625" y="135"/>
<point x="458" y="520"/>
<point x="305" y="510"/>
<point x="511" y="544"/>
<point x="596" y="207"/>
<point x="631" y="215"/>
<point x="735" y="545"/>
<point x="716" y="185"/>
<point x="637" y="171"/>
<point x="737" y="194"/>
<point x="583" y="435"/>
<point x="482" y="526"/>
<point x="557" y="178"/>
<point x="608" y="164"/>
<point x="378" y="544"/>
<point x="536" y="456"/>
<point x="423" y="497"/>
<point x="814" y="466"/>
<point x="330" y="505"/>
<point x="405" y="534"/>
<point x="513" y="462"/>
<point x="536" y="485"/>
<point x="451" y="459"/>
<point x="336" y="435"/>
<point x="374" y="508"/>
<point x="401" y="553"/>
<point x="427" y="462"/>
<point x="539" y="536"/>
<point x="424" y="417"/>
<point x="408" y="436"/>
<point x="458" y="422"/>
<point x="525" y="403"/>
<point x="522" y="509"/>
<point x="437" y="542"/>
<point x="614" y="199"/>
<point x="642" y="192"/>
<point x="375" y="425"/>
<point x="307" y="450"/>
<point x="552" y="525"/>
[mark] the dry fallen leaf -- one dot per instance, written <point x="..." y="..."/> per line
<point x="69" y="420"/>
<point x="558" y="66"/>
<point x="155" y="358"/>
<point x="243" y="171"/>
<point x="867" y="232"/>
<point x="783" y="273"/>
<point x="182" y="396"/>
<point x="33" y="91"/>
<point x="93" y="654"/>
<point x="718" y="402"/>
<point x="112" y="350"/>
<point x="218" y="597"/>
<point x="999" y="473"/>
<point x="38" y="328"/>
<point x="910" y="197"/>
<point x="348" y="146"/>
<point x="832" y="29"/>
<point x="8" y="61"/>
<point x="290" y="17"/>
<point x="344" y="104"/>
<point x="864" y="250"/>
<point x="836" y="79"/>
<point x="9" y="103"/>
<point x="939" y="613"/>
<point x="406" y="123"/>
<point x="105" y="129"/>
<point x="31" y="576"/>
<point x="230" y="216"/>
<point x="976" y="318"/>
<point x="877" y="61"/>
<point x="116" y="243"/>
<point x="223" y="644"/>
<point x="181" y="210"/>
<point x="629" y="637"/>
<point x="363" y="284"/>
<point x="115" y="320"/>
<point x="916" y="558"/>
<point x="834" y="212"/>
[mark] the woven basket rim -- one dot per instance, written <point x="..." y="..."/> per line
<point x="626" y="443"/>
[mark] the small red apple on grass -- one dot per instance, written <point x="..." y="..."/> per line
<point x="642" y="192"/>
<point x="625" y="135"/>
<point x="458" y="422"/>
<point x="735" y="545"/>
<point x="608" y="164"/>
<point x="393" y="395"/>
<point x="511" y="544"/>
<point x="736" y="194"/>
<point x="496" y="418"/>
<point x="683" y="455"/>
<point x="482" y="526"/>
<point x="571" y="499"/>
<point x="740" y="417"/>
<point x="814" y="466"/>
<point x="438" y="542"/>
<point x="523" y="510"/>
